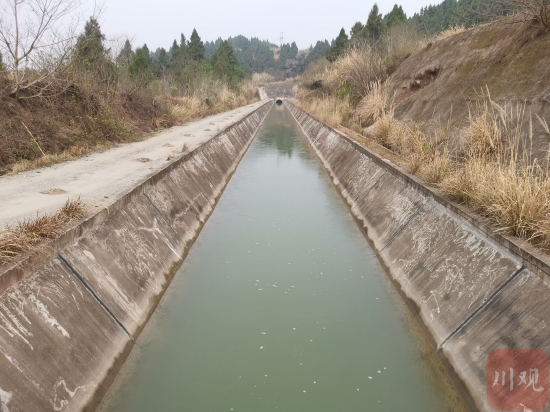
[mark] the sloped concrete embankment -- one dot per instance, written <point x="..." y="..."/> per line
<point x="67" y="326"/>
<point x="475" y="290"/>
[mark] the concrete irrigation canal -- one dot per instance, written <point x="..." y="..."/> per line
<point x="281" y="304"/>
<point x="277" y="266"/>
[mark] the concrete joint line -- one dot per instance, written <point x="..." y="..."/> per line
<point x="197" y="186"/>
<point x="372" y="187"/>
<point x="481" y="307"/>
<point x="94" y="295"/>
<point x="191" y="201"/>
<point x="403" y="226"/>
<point x="162" y="217"/>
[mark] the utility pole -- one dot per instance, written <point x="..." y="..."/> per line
<point x="281" y="39"/>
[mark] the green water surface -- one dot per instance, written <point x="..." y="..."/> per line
<point x="281" y="305"/>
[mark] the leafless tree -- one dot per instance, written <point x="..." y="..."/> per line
<point x="532" y="11"/>
<point x="36" y="38"/>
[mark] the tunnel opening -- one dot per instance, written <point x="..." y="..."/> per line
<point x="279" y="102"/>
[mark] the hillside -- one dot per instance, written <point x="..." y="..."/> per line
<point x="468" y="13"/>
<point x="443" y="79"/>
<point x="466" y="111"/>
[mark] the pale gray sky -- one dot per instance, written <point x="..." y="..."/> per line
<point x="159" y="22"/>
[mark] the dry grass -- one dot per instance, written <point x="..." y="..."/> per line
<point x="451" y="31"/>
<point x="436" y="168"/>
<point x="361" y="66"/>
<point x="487" y="128"/>
<point x="30" y="234"/>
<point x="72" y="153"/>
<point x="496" y="176"/>
<point x="262" y="79"/>
<point x="492" y="171"/>
<point x="499" y="178"/>
<point x="375" y="105"/>
<point x="195" y="106"/>
<point x="513" y="194"/>
<point x="330" y="110"/>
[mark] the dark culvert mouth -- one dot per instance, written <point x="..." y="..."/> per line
<point x="279" y="102"/>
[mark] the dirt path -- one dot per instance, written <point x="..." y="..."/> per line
<point x="100" y="178"/>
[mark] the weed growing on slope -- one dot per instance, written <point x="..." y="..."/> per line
<point x="31" y="233"/>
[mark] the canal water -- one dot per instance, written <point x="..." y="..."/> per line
<point x="281" y="305"/>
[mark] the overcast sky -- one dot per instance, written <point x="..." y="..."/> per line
<point x="158" y="22"/>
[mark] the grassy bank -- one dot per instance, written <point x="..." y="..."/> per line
<point x="487" y="165"/>
<point x="90" y="93"/>
<point x="79" y="120"/>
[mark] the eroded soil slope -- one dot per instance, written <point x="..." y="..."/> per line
<point x="510" y="60"/>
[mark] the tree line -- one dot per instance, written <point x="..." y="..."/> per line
<point x="430" y="20"/>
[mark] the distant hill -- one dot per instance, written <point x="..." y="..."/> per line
<point x="254" y="55"/>
<point x="257" y="56"/>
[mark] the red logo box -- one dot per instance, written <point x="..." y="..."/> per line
<point x="517" y="379"/>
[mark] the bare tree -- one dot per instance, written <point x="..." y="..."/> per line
<point x="535" y="12"/>
<point x="35" y="45"/>
<point x="538" y="10"/>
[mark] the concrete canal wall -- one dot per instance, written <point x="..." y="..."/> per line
<point x="69" y="316"/>
<point x="474" y="290"/>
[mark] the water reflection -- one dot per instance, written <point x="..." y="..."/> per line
<point x="279" y="131"/>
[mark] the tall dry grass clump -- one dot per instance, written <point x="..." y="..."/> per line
<point x="31" y="233"/>
<point x="262" y="79"/>
<point x="357" y="78"/>
<point x="375" y="105"/>
<point x="451" y="31"/>
<point x="330" y="110"/>
<point x="207" y="98"/>
<point x="492" y="172"/>
<point x="498" y="176"/>
<point x="512" y="192"/>
<point x="495" y="175"/>
<point x="358" y="68"/>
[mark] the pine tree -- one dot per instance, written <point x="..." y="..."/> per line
<point x="225" y="64"/>
<point x="126" y="55"/>
<point x="293" y="50"/>
<point x="375" y="25"/>
<point x="396" y="16"/>
<point x="141" y="64"/>
<point x="184" y="45"/>
<point x="90" y="51"/>
<point x="357" y="30"/>
<point x="284" y="55"/>
<point x="317" y="52"/>
<point x="338" y="46"/>
<point x="196" y="46"/>
<point x="161" y="63"/>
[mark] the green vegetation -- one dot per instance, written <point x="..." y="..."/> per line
<point x="467" y="13"/>
<point x="254" y="55"/>
<point x="337" y="47"/>
<point x="317" y="52"/>
<point x="226" y="65"/>
<point x="396" y="16"/>
<point x="258" y="56"/>
<point x="432" y="19"/>
<point x="375" y="25"/>
<point x="195" y="47"/>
